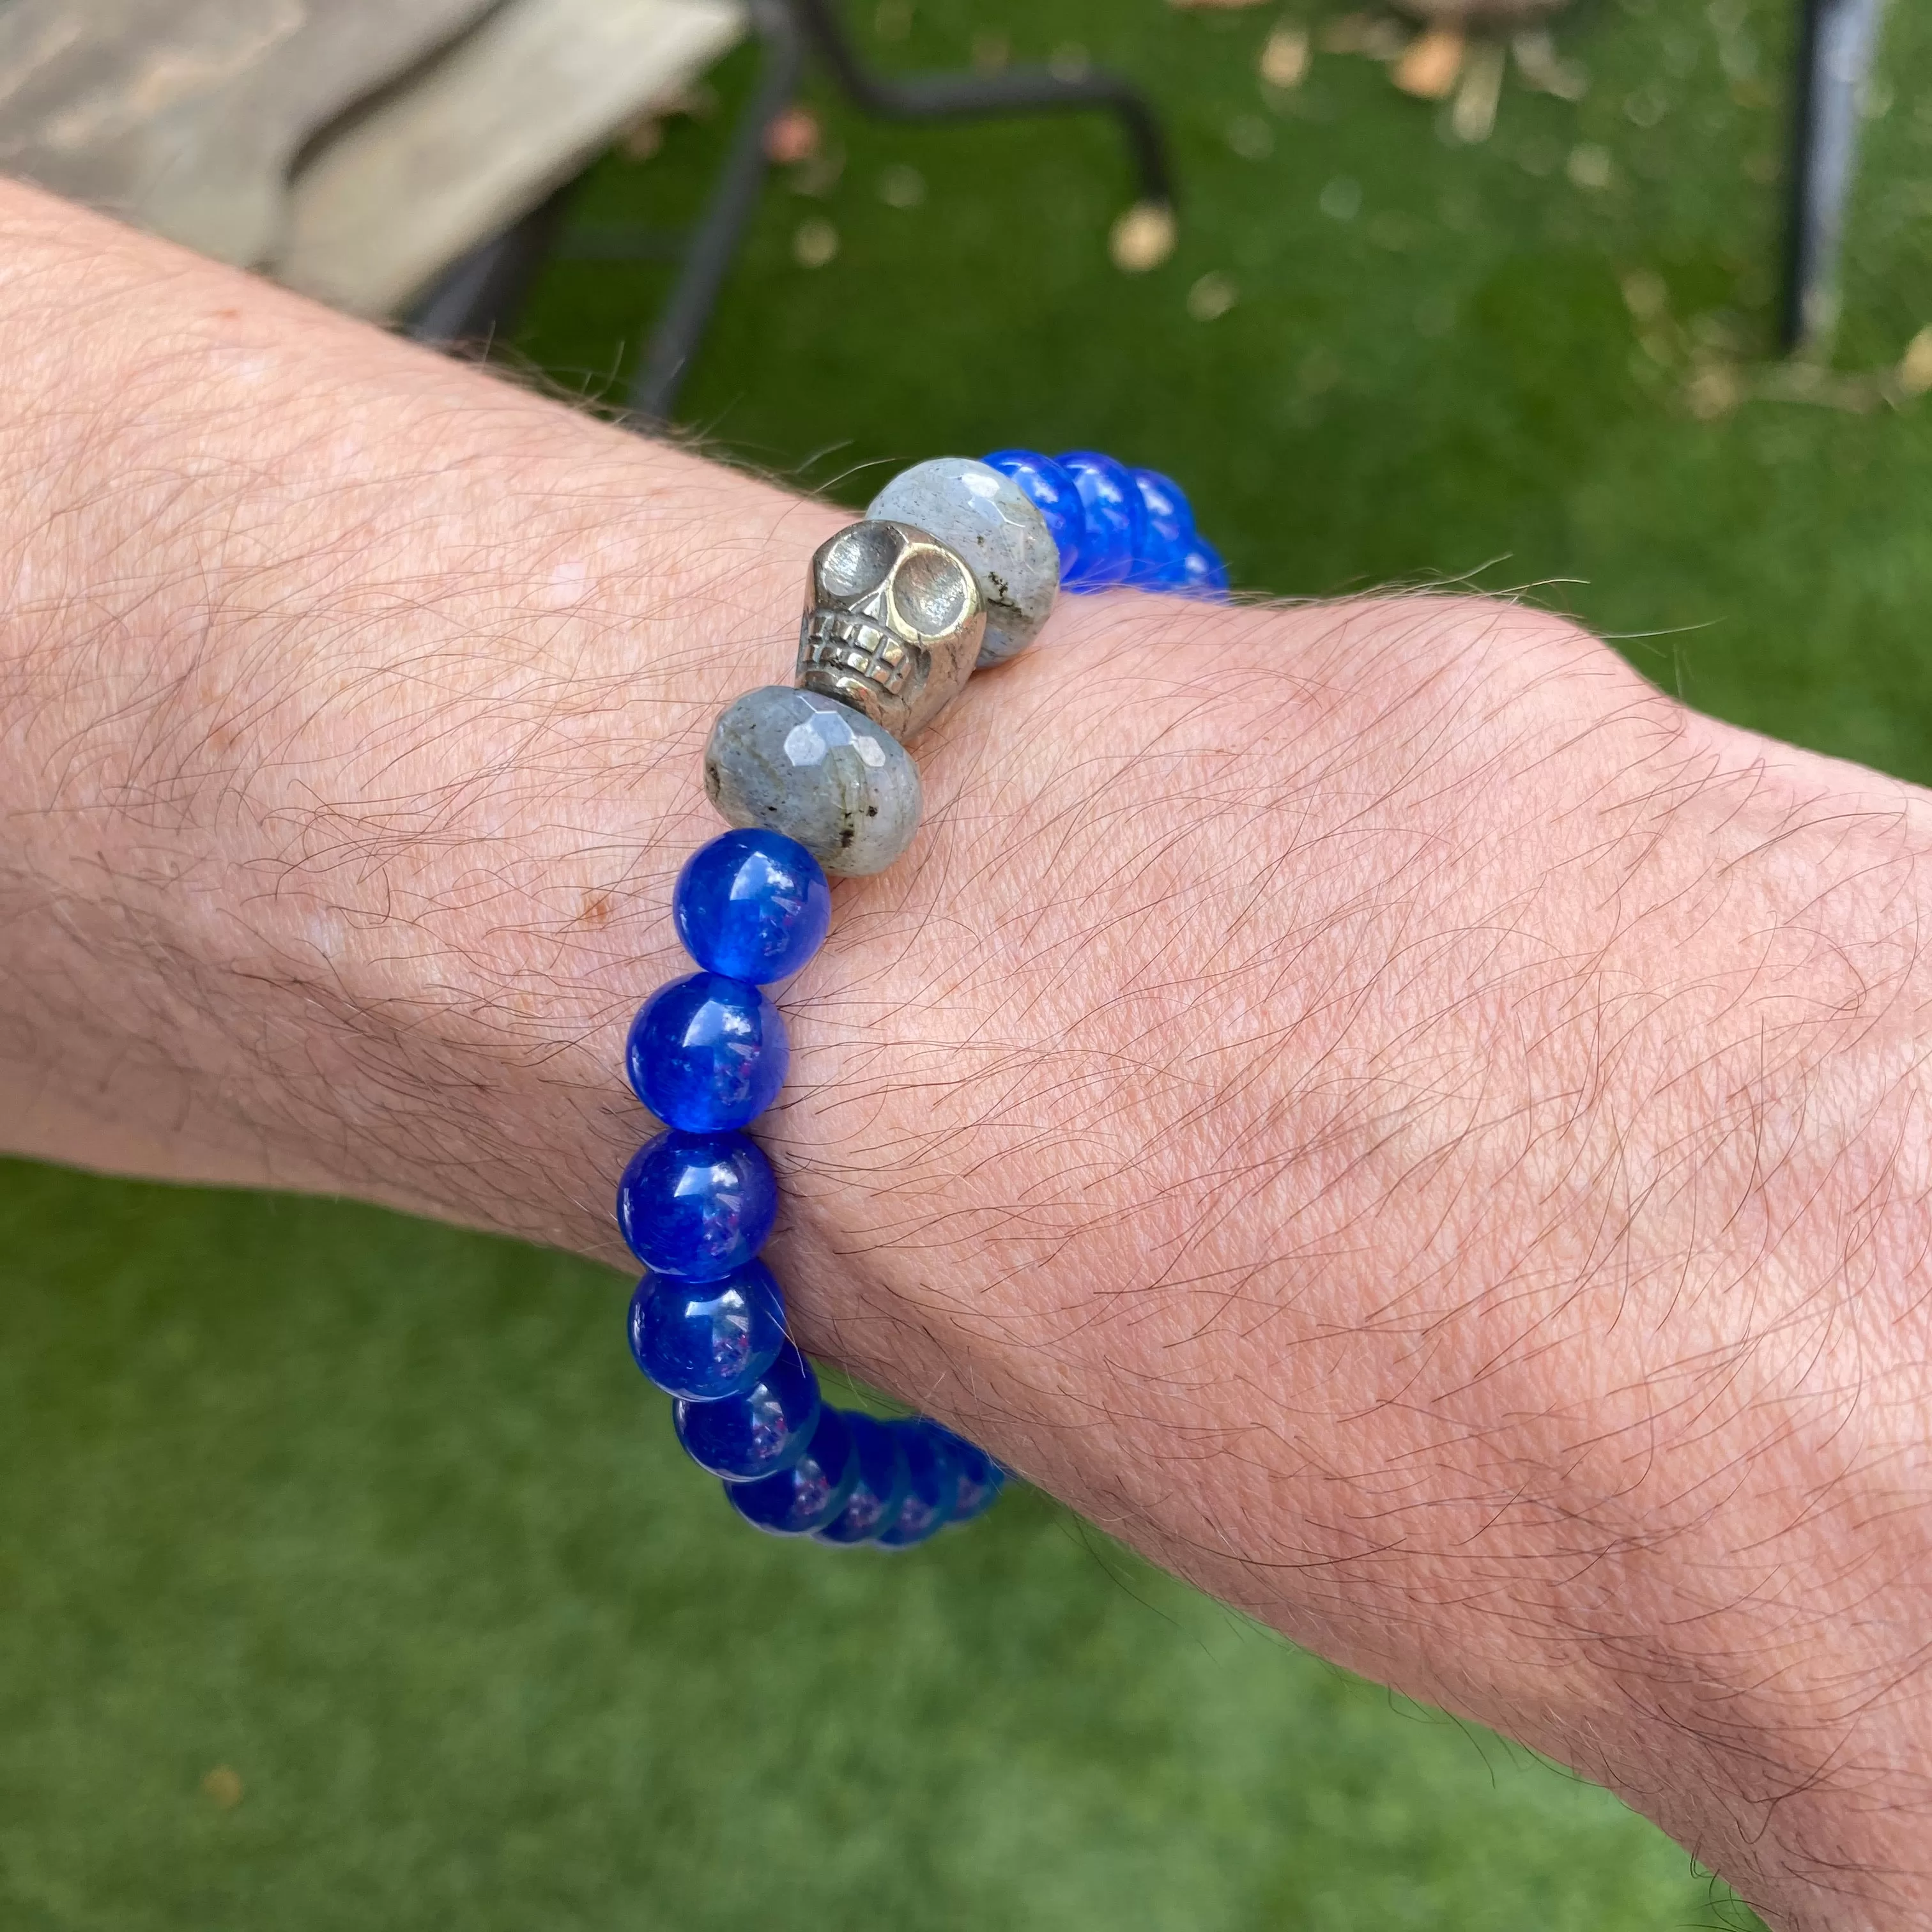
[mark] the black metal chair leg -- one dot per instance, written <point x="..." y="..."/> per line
<point x="1837" y="40"/>
<point x="479" y="296"/>
<point x="784" y="26"/>
<point x="946" y="96"/>
<point x="714" y="244"/>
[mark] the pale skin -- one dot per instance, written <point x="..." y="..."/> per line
<point x="1372" y="1103"/>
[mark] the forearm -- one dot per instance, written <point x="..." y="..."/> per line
<point x="1372" y="1104"/>
<point x="352" y="704"/>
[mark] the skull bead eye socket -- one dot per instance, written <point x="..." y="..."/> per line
<point x="893" y="622"/>
<point x="859" y="559"/>
<point x="932" y="591"/>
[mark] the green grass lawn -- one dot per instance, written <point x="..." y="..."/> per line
<point x="377" y="1518"/>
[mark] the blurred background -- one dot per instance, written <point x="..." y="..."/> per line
<point x="350" y="1577"/>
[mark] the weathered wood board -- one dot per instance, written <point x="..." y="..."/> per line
<point x="185" y="116"/>
<point x="507" y="114"/>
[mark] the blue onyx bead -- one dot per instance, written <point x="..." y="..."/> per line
<point x="882" y="1480"/>
<point x="707" y="1053"/>
<point x="981" y="1479"/>
<point x="1116" y="522"/>
<point x="1198" y="571"/>
<point x="765" y="1429"/>
<point x="1168" y="526"/>
<point x="813" y="1490"/>
<point x="1051" y="492"/>
<point x="752" y="905"/>
<point x="706" y="1340"/>
<point x="698" y="1206"/>
<point x="932" y="1487"/>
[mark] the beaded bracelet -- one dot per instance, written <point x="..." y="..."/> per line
<point x="955" y="567"/>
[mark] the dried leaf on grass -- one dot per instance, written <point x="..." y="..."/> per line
<point x="1284" y="62"/>
<point x="1143" y="238"/>
<point x="1429" y="68"/>
<point x="1473" y="117"/>
<point x="1914" y="367"/>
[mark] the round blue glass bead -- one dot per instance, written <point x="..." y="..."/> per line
<point x="706" y="1340"/>
<point x="882" y="1479"/>
<point x="698" y="1206"/>
<point x="981" y="1479"/>
<point x="813" y="1490"/>
<point x="707" y="1053"/>
<point x="1116" y="522"/>
<point x="752" y="905"/>
<point x="1168" y="526"/>
<point x="1052" y="493"/>
<point x="932" y="1489"/>
<point x="1198" y="571"/>
<point x="765" y="1429"/>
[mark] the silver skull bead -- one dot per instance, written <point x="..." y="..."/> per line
<point x="892" y="626"/>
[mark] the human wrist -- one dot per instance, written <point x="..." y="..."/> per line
<point x="1534" y="917"/>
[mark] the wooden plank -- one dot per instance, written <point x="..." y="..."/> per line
<point x="185" y="116"/>
<point x="505" y="115"/>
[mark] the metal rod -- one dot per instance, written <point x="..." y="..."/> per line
<point x="1837" y="42"/>
<point x="784" y="26"/>
<point x="479" y="295"/>
<point x="1800" y="244"/>
<point x="714" y="244"/>
<point x="1024" y="91"/>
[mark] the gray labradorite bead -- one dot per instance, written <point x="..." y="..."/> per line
<point x="990" y="522"/>
<point x="791" y="761"/>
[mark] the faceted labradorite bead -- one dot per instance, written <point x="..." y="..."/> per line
<point x="994" y="527"/>
<point x="1168" y="524"/>
<point x="821" y="773"/>
<point x="707" y="1053"/>
<point x="765" y="1429"/>
<point x="698" y="1206"/>
<point x="1116" y="522"/>
<point x="1051" y="491"/>
<point x="981" y="1479"/>
<point x="706" y="1340"/>
<point x="813" y="1490"/>
<point x="754" y="905"/>
<point x="932" y="1489"/>
<point x="1198" y="571"/>
<point x="882" y="1480"/>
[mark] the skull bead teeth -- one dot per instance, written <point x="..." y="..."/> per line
<point x="893" y="625"/>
